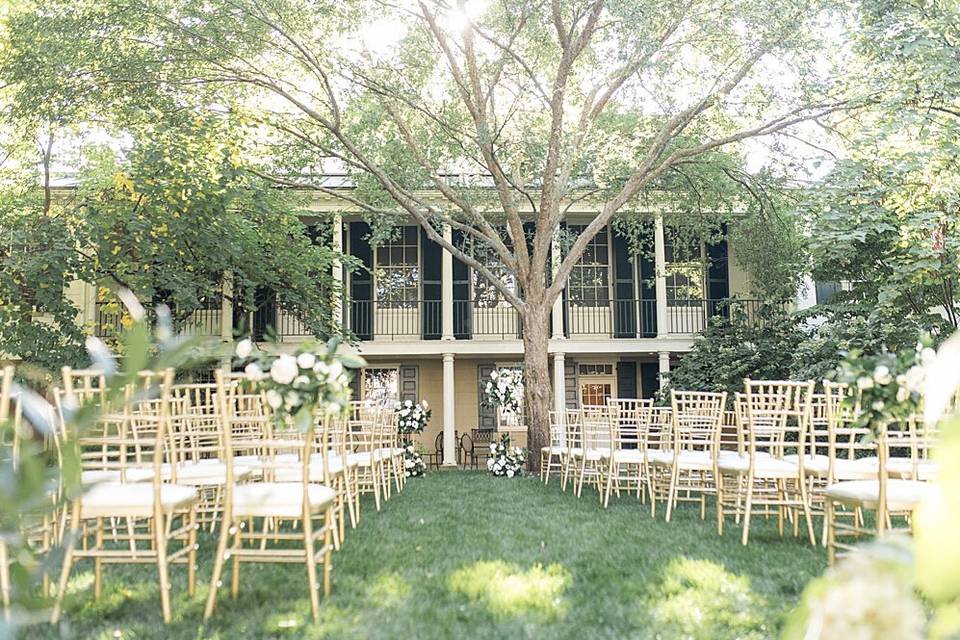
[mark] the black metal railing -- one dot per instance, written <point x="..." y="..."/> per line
<point x="112" y="318"/>
<point x="691" y="315"/>
<point x="612" y="319"/>
<point x="372" y="320"/>
<point x="483" y="319"/>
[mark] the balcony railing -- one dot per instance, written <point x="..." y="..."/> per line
<point x="478" y="319"/>
<point x="613" y="319"/>
<point x="111" y="318"/>
<point x="372" y="320"/>
<point x="691" y="315"/>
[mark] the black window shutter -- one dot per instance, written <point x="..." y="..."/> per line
<point x="431" y="268"/>
<point x="361" y="282"/>
<point x="462" y="306"/>
<point x="624" y="307"/>
<point x="570" y="386"/>
<point x="626" y="379"/>
<point x="718" y="276"/>
<point x="649" y="379"/>
<point x="648" y="287"/>
<point x="566" y="301"/>
<point x="409" y="383"/>
<point x="486" y="414"/>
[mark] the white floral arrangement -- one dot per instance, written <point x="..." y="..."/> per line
<point x="413" y="464"/>
<point x="295" y="385"/>
<point x="412" y="417"/>
<point x="506" y="461"/>
<point x="504" y="389"/>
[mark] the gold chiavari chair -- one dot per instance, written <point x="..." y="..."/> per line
<point x="198" y="458"/>
<point x="553" y="455"/>
<point x="595" y="454"/>
<point x="305" y="503"/>
<point x="161" y="520"/>
<point x="9" y="457"/>
<point x="629" y="428"/>
<point x="689" y="466"/>
<point x="391" y="453"/>
<point x="574" y="440"/>
<point x="364" y="434"/>
<point x="892" y="499"/>
<point x="775" y="416"/>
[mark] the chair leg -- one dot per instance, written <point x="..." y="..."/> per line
<point x="806" y="513"/>
<point x="829" y="532"/>
<point x="235" y="560"/>
<point x="746" y="514"/>
<point x="218" y="567"/>
<point x="162" y="568"/>
<point x="69" y="539"/>
<point x="719" y="504"/>
<point x="606" y="493"/>
<point x="192" y="555"/>
<point x="5" y="579"/>
<point x="327" y="558"/>
<point x="672" y="491"/>
<point x="311" y="563"/>
<point x="98" y="562"/>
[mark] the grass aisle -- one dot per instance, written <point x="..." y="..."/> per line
<point x="461" y="555"/>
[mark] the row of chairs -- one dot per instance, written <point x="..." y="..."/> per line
<point x="783" y="451"/>
<point x="164" y="460"/>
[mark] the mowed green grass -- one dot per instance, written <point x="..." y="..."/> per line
<point x="465" y="555"/>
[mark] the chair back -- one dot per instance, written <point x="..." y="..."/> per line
<point x="777" y="416"/>
<point x="595" y="427"/>
<point x="659" y="434"/>
<point x="558" y="428"/>
<point x="195" y="422"/>
<point x="697" y="417"/>
<point x="630" y="422"/>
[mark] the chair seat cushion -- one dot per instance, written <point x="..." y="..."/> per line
<point x="293" y="471"/>
<point x="764" y="466"/>
<point x="130" y="474"/>
<point x="902" y="495"/>
<point x="902" y="467"/>
<point x="133" y="500"/>
<point x="205" y="472"/>
<point x="843" y="468"/>
<point x="555" y="450"/>
<point x="600" y="453"/>
<point x="628" y="456"/>
<point x="278" y="499"/>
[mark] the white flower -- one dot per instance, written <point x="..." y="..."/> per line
<point x="881" y="375"/>
<point x="494" y="374"/>
<point x="928" y="356"/>
<point x="878" y="405"/>
<point x="292" y="399"/>
<point x="274" y="399"/>
<point x="335" y="369"/>
<point x="253" y="372"/>
<point x="321" y="368"/>
<point x="244" y="348"/>
<point x="306" y="360"/>
<point x="864" y="383"/>
<point x="903" y="394"/>
<point x="489" y="463"/>
<point x="493" y="448"/>
<point x="915" y="378"/>
<point x="284" y="369"/>
<point x="301" y="381"/>
<point x="510" y="473"/>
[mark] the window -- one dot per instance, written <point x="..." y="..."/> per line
<point x="381" y="384"/>
<point x="594" y="394"/>
<point x="595" y="369"/>
<point x="485" y="295"/>
<point x="590" y="279"/>
<point x="397" y="271"/>
<point x="684" y="271"/>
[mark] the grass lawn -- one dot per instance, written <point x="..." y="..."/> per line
<point x="462" y="554"/>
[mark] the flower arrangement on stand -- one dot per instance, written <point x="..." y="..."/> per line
<point x="888" y="386"/>
<point x="504" y="389"/>
<point x="506" y="461"/>
<point x="413" y="465"/>
<point x="314" y="377"/>
<point x="412" y="418"/>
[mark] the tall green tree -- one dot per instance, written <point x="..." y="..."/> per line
<point x="534" y="105"/>
<point x="887" y="218"/>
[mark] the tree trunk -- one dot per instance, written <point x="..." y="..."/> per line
<point x="536" y="381"/>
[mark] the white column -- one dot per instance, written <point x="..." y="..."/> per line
<point x="664" y="368"/>
<point x="446" y="290"/>
<point x="559" y="382"/>
<point x="660" y="264"/>
<point x="338" y="267"/>
<point x="556" y="329"/>
<point x="449" y="438"/>
<point x="226" y="308"/>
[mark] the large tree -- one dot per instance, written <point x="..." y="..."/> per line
<point x="532" y="105"/>
<point x="887" y="217"/>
